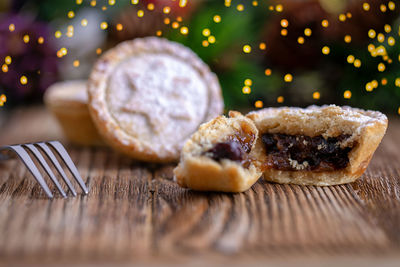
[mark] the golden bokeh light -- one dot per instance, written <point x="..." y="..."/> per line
<point x="104" y="25"/>
<point x="184" y="30"/>
<point x="175" y="25"/>
<point x="23" y="80"/>
<point x="248" y="82"/>
<point x="166" y="10"/>
<point x="380" y="37"/>
<point x="284" y="23"/>
<point x="4" y="68"/>
<point x="211" y="39"/>
<point x="307" y="32"/>
<point x="288" y="78"/>
<point x="279" y="8"/>
<point x="150" y="6"/>
<point x="325" y="23"/>
<point x="182" y="3"/>
<point x="217" y="19"/>
<point x="381" y="67"/>
<point x="84" y="22"/>
<point x="247" y="49"/>
<point x="240" y="7"/>
<point x="8" y="60"/>
<point x="26" y="38"/>
<point x="350" y="59"/>
<point x="246" y="90"/>
<point x="326" y="50"/>
<point x="71" y="14"/>
<point x="347" y="94"/>
<point x="206" y="32"/>
<point x="397" y="82"/>
<point x="391" y="41"/>
<point x="371" y="33"/>
<point x="316" y="95"/>
<point x="258" y="104"/>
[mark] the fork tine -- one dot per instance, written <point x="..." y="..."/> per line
<point x="70" y="164"/>
<point x="54" y="160"/>
<point x="46" y="167"/>
<point x="26" y="159"/>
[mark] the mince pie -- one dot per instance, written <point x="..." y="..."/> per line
<point x="147" y="96"/>
<point x="325" y="145"/>
<point x="219" y="156"/>
<point x="68" y="102"/>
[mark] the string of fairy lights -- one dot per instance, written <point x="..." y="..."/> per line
<point x="388" y="36"/>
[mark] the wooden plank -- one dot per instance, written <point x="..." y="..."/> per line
<point x="135" y="212"/>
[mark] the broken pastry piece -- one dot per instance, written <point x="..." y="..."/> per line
<point x="219" y="156"/>
<point x="318" y="145"/>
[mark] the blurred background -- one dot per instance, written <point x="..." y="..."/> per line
<point x="265" y="53"/>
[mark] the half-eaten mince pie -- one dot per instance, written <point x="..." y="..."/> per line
<point x="147" y="96"/>
<point x="219" y="156"/>
<point x="325" y="145"/>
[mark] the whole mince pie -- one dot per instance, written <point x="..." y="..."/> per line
<point x="148" y="95"/>
<point x="325" y="145"/>
<point x="220" y="157"/>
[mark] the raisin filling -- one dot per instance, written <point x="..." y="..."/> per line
<point x="299" y="152"/>
<point x="236" y="148"/>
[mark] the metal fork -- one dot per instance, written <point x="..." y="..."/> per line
<point x="22" y="152"/>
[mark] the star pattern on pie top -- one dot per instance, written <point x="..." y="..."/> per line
<point x="141" y="102"/>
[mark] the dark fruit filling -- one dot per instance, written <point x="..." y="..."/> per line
<point x="227" y="150"/>
<point x="299" y="152"/>
<point x="236" y="147"/>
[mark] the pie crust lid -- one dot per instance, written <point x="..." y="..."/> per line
<point x="147" y="96"/>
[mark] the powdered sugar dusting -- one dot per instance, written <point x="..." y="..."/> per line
<point x="157" y="97"/>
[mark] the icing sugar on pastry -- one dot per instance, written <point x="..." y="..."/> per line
<point x="144" y="104"/>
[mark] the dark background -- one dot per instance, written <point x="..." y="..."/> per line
<point x="317" y="78"/>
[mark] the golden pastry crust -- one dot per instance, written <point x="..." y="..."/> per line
<point x="68" y="102"/>
<point x="147" y="96"/>
<point x="366" y="130"/>
<point x="198" y="171"/>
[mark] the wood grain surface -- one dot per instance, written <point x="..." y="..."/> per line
<point x="135" y="212"/>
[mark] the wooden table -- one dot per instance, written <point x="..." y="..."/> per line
<point x="136" y="213"/>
